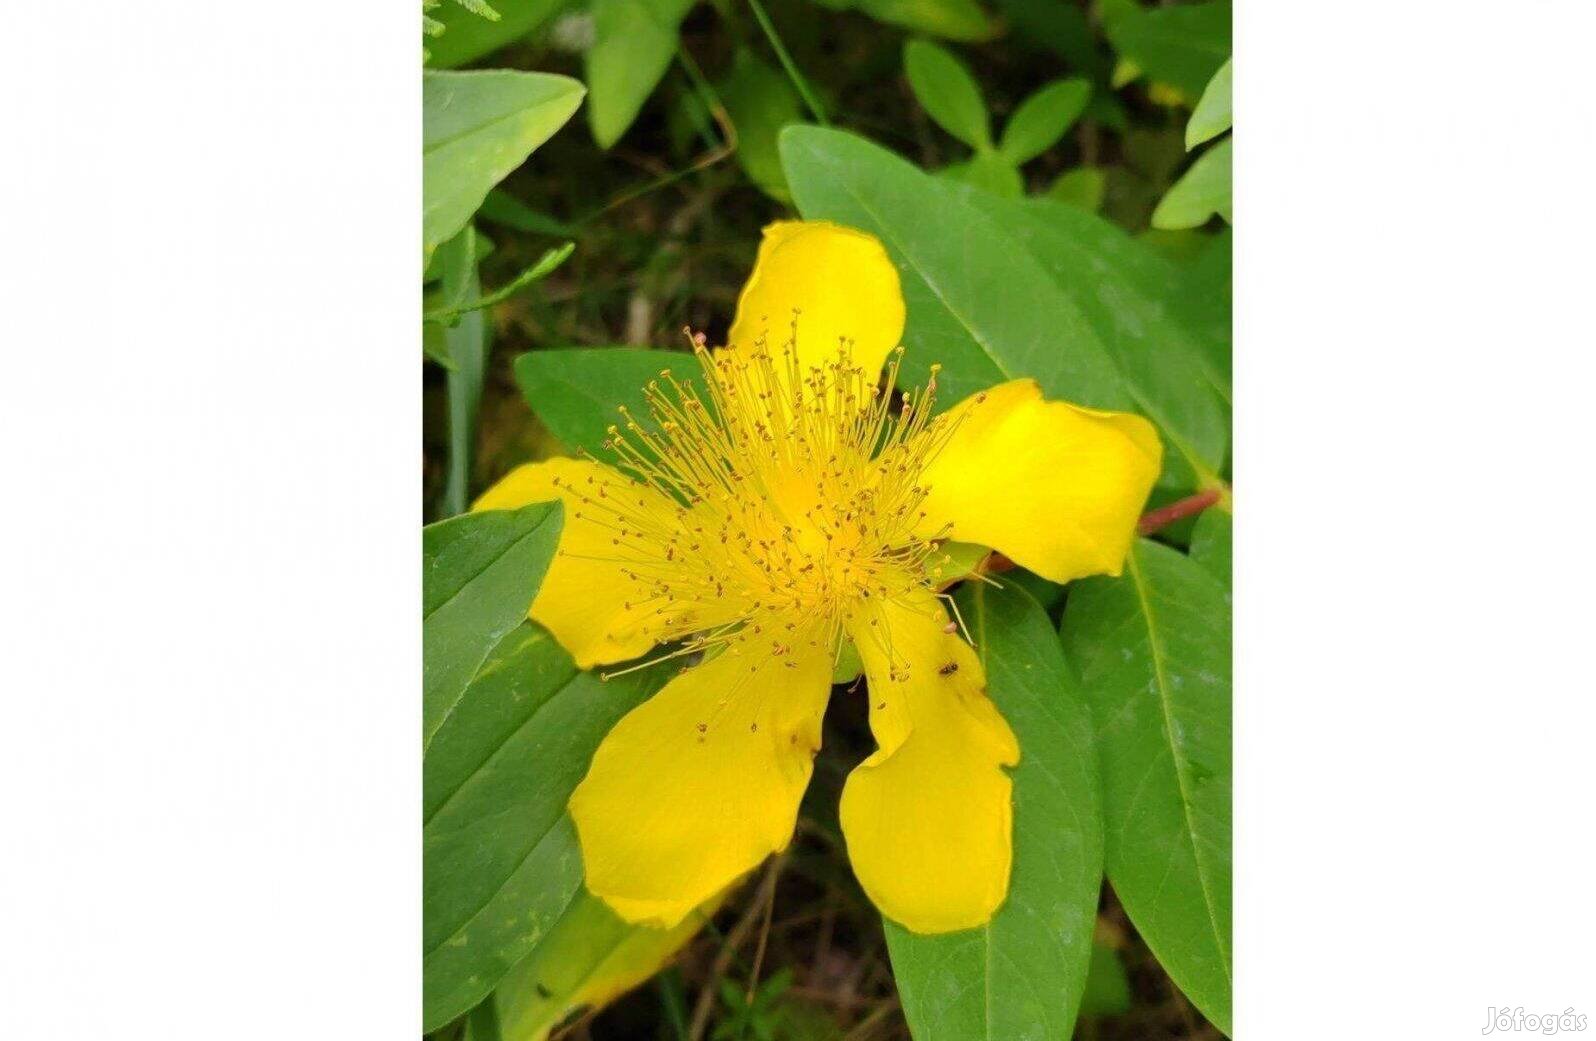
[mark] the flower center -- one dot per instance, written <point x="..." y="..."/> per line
<point x="781" y="496"/>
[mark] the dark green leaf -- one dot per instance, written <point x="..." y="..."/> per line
<point x="501" y="207"/>
<point x="476" y="128"/>
<point x="1201" y="192"/>
<point x="760" y="102"/>
<point x="1212" y="116"/>
<point x="1020" y="975"/>
<point x="1204" y="300"/>
<point x="1060" y="27"/>
<point x="1181" y="44"/>
<point x="466" y="342"/>
<point x="577" y="392"/>
<point x="1152" y="648"/>
<point x="1107" y="986"/>
<point x="500" y="857"/>
<point x="948" y="92"/>
<point x="467" y="37"/>
<point x="978" y="302"/>
<point x="479" y="575"/>
<point x="1122" y="293"/>
<point x="633" y="43"/>
<point x="1210" y="543"/>
<point x="1042" y="119"/>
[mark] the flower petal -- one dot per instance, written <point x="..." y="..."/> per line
<point x="584" y="597"/>
<point x="841" y="282"/>
<point x="929" y="816"/>
<point x="1054" y="487"/>
<point x="697" y="785"/>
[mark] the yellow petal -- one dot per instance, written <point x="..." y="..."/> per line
<point x="584" y="597"/>
<point x="929" y="816"/>
<point x="1054" y="487"/>
<point x="839" y="280"/>
<point x="701" y="782"/>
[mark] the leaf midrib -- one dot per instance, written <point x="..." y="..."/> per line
<point x="1156" y="653"/>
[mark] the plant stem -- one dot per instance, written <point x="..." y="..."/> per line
<point x="1152" y="520"/>
<point x="810" y="101"/>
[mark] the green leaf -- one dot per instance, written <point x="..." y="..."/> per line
<point x="466" y="37"/>
<point x="500" y="859"/>
<point x="1210" y="543"/>
<point x="1152" y="649"/>
<point x="1021" y="975"/>
<point x="1042" y="119"/>
<point x="1212" y="115"/>
<point x="479" y="574"/>
<point x="501" y="207"/>
<point x="633" y="43"/>
<point x="466" y="343"/>
<point x="587" y="959"/>
<point x="1062" y="28"/>
<point x="961" y="20"/>
<point x="476" y="127"/>
<point x="947" y="92"/>
<point x="1121" y="291"/>
<point x="760" y="102"/>
<point x="1204" y="299"/>
<point x="978" y="302"/>
<point x="1081" y="188"/>
<point x="577" y="392"/>
<point x="1182" y="44"/>
<point x="989" y="172"/>
<point x="1202" y="191"/>
<point x="1107" y="985"/>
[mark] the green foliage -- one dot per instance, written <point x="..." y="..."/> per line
<point x="476" y="128"/>
<point x="962" y="20"/>
<point x="950" y="96"/>
<point x="466" y="348"/>
<point x="1152" y="649"/>
<point x="500" y="858"/>
<point x="760" y="102"/>
<point x="960" y="290"/>
<point x="1212" y="115"/>
<point x="1108" y="990"/>
<point x="1210" y="543"/>
<point x="1042" y="119"/>
<point x="1202" y="191"/>
<point x="1022" y="974"/>
<point x="949" y="93"/>
<point x="633" y="43"/>
<point x="1181" y="44"/>
<point x="479" y="575"/>
<point x="578" y="392"/>
<point x="1081" y="188"/>
<point x="757" y="1019"/>
<point x="464" y="37"/>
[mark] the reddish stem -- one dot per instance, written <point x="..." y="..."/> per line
<point x="1152" y="520"/>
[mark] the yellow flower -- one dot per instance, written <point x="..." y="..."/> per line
<point x="787" y="507"/>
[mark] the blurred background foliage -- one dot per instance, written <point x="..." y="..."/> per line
<point x="641" y="216"/>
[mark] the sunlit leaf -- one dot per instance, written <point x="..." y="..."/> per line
<point x="1022" y="974"/>
<point x="1152" y="649"/>
<point x="476" y="128"/>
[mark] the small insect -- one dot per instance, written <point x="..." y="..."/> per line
<point x="951" y="628"/>
<point x="949" y="669"/>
